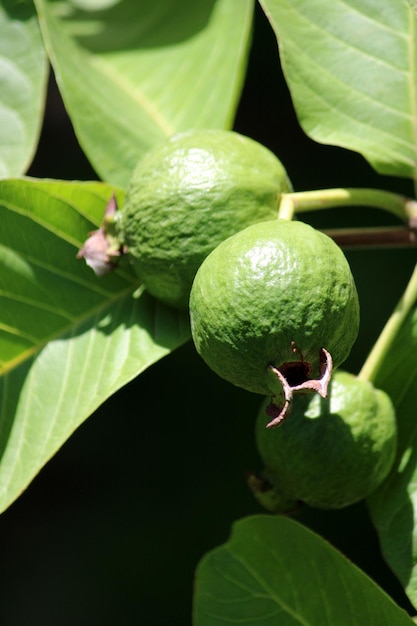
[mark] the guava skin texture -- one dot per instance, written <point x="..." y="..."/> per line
<point x="189" y="194"/>
<point x="275" y="294"/>
<point x="329" y="453"/>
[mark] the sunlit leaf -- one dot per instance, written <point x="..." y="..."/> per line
<point x="68" y="339"/>
<point x="23" y="74"/>
<point x="351" y="70"/>
<point x="134" y="72"/>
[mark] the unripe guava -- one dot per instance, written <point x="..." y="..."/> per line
<point x="189" y="194"/>
<point x="273" y="296"/>
<point x="329" y="453"/>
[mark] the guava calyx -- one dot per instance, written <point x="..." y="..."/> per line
<point x="102" y="249"/>
<point x="293" y="377"/>
<point x="269" y="497"/>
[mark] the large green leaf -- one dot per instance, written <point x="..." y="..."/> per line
<point x="274" y="571"/>
<point x="351" y="67"/>
<point x="68" y="340"/>
<point x="138" y="71"/>
<point x="393" y="506"/>
<point x="23" y="74"/>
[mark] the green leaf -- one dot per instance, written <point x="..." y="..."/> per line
<point x="413" y="4"/>
<point x="134" y="73"/>
<point x="23" y="75"/>
<point x="68" y="339"/>
<point x="393" y="506"/>
<point x="351" y="70"/>
<point x="275" y="571"/>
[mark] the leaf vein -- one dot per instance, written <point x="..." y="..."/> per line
<point x="350" y="88"/>
<point x="37" y="304"/>
<point x="271" y="592"/>
<point x="135" y="94"/>
<point x="12" y="330"/>
<point x="26" y="354"/>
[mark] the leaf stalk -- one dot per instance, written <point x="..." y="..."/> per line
<point x="302" y="201"/>
<point x="390" y="331"/>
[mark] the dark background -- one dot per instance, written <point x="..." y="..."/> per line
<point x="114" y="526"/>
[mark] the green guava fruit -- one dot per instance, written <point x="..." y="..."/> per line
<point x="271" y="304"/>
<point x="329" y="453"/>
<point x="189" y="194"/>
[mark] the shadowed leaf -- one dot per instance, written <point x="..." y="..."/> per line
<point x="134" y="73"/>
<point x="393" y="505"/>
<point x="274" y="571"/>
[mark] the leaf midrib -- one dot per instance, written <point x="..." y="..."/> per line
<point x="27" y="354"/>
<point x="132" y="92"/>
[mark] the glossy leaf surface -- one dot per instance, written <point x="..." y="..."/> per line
<point x="23" y="74"/>
<point x="351" y="70"/>
<point x="68" y="339"/>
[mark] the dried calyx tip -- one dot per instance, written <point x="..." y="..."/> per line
<point x="320" y="385"/>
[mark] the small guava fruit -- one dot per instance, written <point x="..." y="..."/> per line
<point x="330" y="452"/>
<point x="189" y="194"/>
<point x="272" y="307"/>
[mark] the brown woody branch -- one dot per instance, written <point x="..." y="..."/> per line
<point x="381" y="237"/>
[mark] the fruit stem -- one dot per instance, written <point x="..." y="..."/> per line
<point x="389" y="333"/>
<point x="299" y="201"/>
